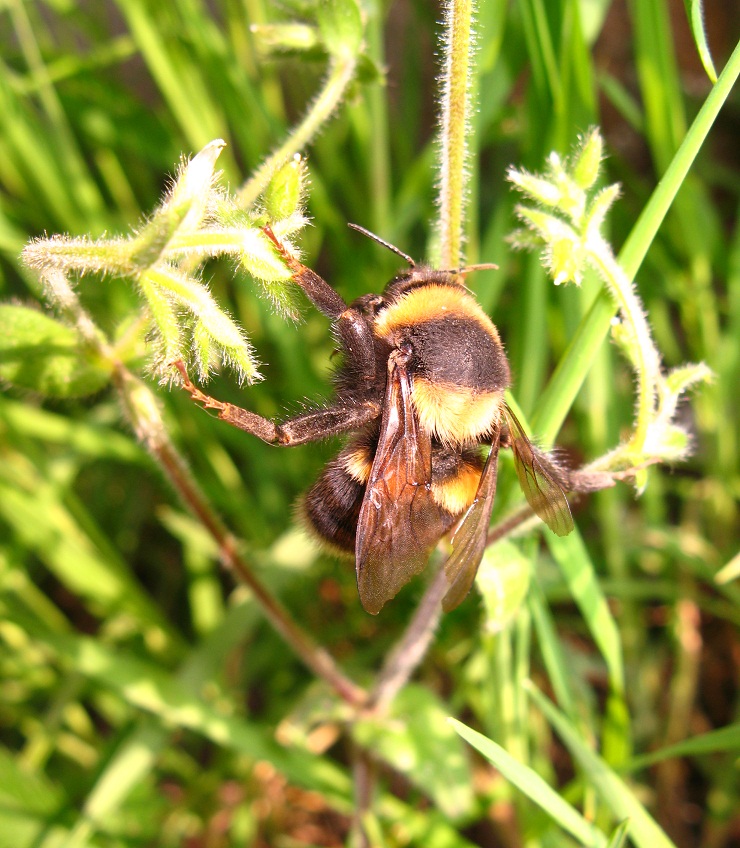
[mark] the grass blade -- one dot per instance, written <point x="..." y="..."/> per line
<point x="534" y="787"/>
<point x="613" y="791"/>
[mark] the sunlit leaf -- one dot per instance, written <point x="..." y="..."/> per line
<point x="38" y="352"/>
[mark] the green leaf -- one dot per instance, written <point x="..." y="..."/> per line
<point x="260" y="258"/>
<point x="503" y="580"/>
<point x="28" y="802"/>
<point x="24" y="790"/>
<point x="725" y="739"/>
<point x="284" y="195"/>
<point x="39" y="353"/>
<point x="587" y="160"/>
<point x="70" y="546"/>
<point x="695" y="14"/>
<point x="340" y="25"/>
<point x="183" y="209"/>
<point x="276" y="37"/>
<point x="534" y="787"/>
<point x="729" y="572"/>
<point x="681" y="379"/>
<point x="619" y="837"/>
<point x="556" y="663"/>
<point x="215" y="336"/>
<point x="613" y="791"/>
<point x="571" y="555"/>
<point x="148" y="687"/>
<point x="416" y="739"/>
<point x="88" y="440"/>
<point x="137" y="752"/>
<point x="167" y="334"/>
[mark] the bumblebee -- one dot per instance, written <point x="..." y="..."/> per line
<point x="421" y="391"/>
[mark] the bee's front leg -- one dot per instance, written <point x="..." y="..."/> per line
<point x="351" y="327"/>
<point x="340" y="417"/>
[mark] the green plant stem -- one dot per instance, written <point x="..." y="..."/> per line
<point x="341" y="72"/>
<point x="568" y="378"/>
<point x="643" y="233"/>
<point x="80" y="254"/>
<point x="455" y="125"/>
<point x="64" y="297"/>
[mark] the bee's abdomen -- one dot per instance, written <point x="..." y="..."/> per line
<point x="455" y="478"/>
<point x="331" y="507"/>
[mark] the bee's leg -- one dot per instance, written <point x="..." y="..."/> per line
<point x="586" y="481"/>
<point x="306" y="427"/>
<point x="579" y="481"/>
<point x="318" y="291"/>
<point x="351" y="326"/>
<point x="356" y="335"/>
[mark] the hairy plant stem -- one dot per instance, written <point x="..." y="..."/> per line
<point x="454" y="127"/>
<point x="564" y="385"/>
<point x="646" y="357"/>
<point x="410" y="649"/>
<point x="341" y="72"/>
<point x="363" y="778"/>
<point x="155" y="438"/>
<point x="142" y="409"/>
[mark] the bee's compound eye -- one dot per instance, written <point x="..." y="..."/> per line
<point x="406" y="348"/>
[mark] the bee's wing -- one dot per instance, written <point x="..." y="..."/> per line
<point x="539" y="479"/>
<point x="469" y="540"/>
<point x="399" y="523"/>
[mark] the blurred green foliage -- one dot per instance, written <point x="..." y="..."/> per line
<point x="143" y="698"/>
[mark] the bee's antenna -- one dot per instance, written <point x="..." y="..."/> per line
<point x="387" y="244"/>
<point x="482" y="266"/>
